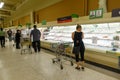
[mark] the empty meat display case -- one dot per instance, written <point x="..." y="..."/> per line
<point x="102" y="41"/>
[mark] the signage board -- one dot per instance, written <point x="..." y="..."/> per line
<point x="116" y="12"/>
<point x="64" y="19"/>
<point x="98" y="13"/>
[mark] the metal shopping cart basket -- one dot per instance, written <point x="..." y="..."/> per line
<point x="61" y="55"/>
<point x="26" y="45"/>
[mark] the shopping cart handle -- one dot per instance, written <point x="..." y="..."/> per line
<point x="68" y="42"/>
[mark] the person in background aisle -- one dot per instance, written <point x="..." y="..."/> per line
<point x="6" y="36"/>
<point x="17" y="39"/>
<point x="2" y="37"/>
<point x="14" y="38"/>
<point x="28" y="33"/>
<point x="79" y="47"/>
<point x="9" y="32"/>
<point x="35" y="38"/>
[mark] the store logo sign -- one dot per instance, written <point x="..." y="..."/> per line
<point x="116" y="12"/>
<point x="64" y="19"/>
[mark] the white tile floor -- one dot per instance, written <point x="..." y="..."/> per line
<point x="14" y="66"/>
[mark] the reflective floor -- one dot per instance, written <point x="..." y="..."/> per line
<point x="14" y="66"/>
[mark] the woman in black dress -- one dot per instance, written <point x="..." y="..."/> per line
<point x="17" y="39"/>
<point x="77" y="37"/>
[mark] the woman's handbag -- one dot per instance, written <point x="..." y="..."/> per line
<point x="76" y="50"/>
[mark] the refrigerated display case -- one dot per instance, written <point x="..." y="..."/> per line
<point x="42" y="31"/>
<point x="60" y="33"/>
<point x="102" y="41"/>
<point x="57" y="34"/>
<point x="105" y="36"/>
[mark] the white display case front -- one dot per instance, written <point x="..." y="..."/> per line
<point x="99" y="37"/>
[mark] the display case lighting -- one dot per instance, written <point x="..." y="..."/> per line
<point x="1" y="4"/>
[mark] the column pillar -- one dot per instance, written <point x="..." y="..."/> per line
<point x="85" y="7"/>
<point x="32" y="17"/>
<point x="103" y="4"/>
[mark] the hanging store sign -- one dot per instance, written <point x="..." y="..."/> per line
<point x="44" y="22"/>
<point x="64" y="19"/>
<point x="20" y="25"/>
<point x="75" y="16"/>
<point x="96" y="13"/>
<point x="116" y="12"/>
<point x="28" y="25"/>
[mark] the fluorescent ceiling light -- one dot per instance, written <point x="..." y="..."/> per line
<point x="1" y="4"/>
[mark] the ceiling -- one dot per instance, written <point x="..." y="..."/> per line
<point x="15" y="8"/>
<point x="10" y="5"/>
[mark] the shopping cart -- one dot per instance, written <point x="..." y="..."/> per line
<point x="26" y="45"/>
<point x="61" y="54"/>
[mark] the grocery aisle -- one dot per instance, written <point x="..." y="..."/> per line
<point x="14" y="66"/>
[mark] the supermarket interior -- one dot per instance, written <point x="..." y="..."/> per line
<point x="57" y="20"/>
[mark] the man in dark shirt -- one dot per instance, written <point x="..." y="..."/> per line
<point x="35" y="36"/>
